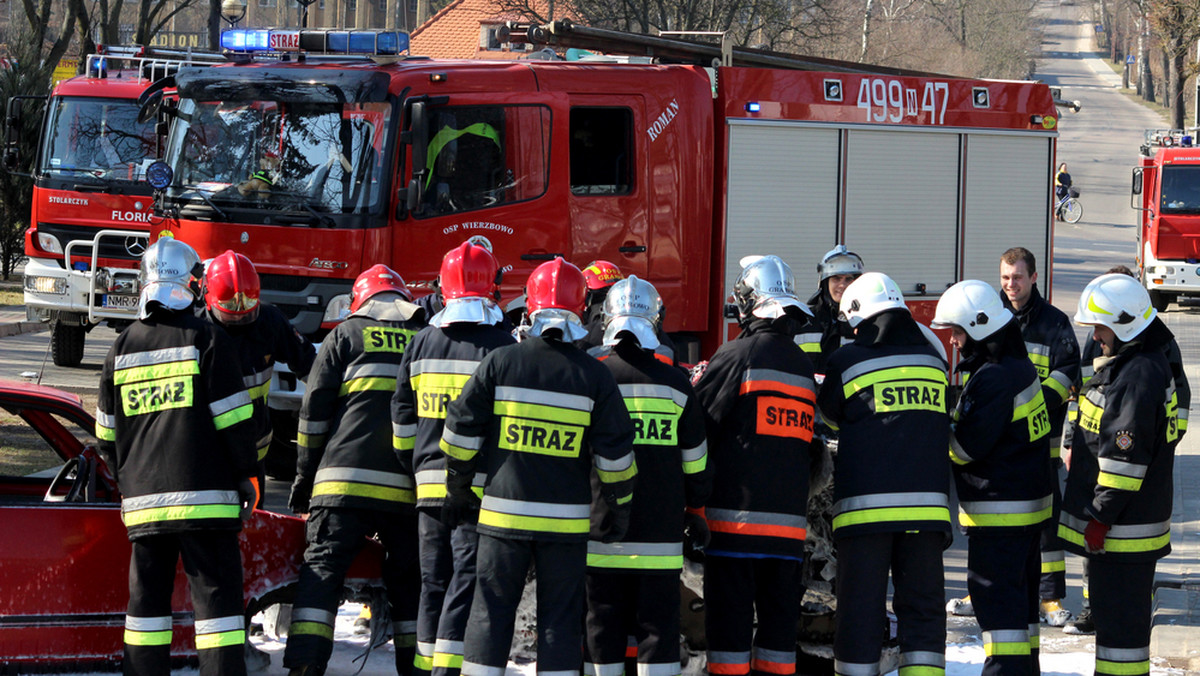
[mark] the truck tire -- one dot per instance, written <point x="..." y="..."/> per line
<point x="1160" y="300"/>
<point x="66" y="343"/>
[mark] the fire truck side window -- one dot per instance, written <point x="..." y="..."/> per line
<point x="1180" y="190"/>
<point x="482" y="156"/>
<point x="601" y="151"/>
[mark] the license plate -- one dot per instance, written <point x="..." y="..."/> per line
<point x="120" y="302"/>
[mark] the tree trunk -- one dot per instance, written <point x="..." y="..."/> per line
<point x="866" y="30"/>
<point x="214" y="24"/>
<point x="1177" y="81"/>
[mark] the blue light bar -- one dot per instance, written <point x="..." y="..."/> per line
<point x="241" y="40"/>
<point x="367" y="42"/>
<point x="753" y="107"/>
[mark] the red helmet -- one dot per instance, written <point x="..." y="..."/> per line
<point x="601" y="275"/>
<point x="557" y="285"/>
<point x="468" y="271"/>
<point x="376" y="279"/>
<point x="232" y="289"/>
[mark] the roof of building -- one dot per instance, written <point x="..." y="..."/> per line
<point x="454" y="32"/>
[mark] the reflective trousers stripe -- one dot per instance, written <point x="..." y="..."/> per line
<point x="1006" y="642"/>
<point x="1000" y="513"/>
<point x="147" y="631"/>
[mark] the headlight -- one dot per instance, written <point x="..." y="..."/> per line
<point x="51" y="285"/>
<point x="337" y="309"/>
<point x="49" y="243"/>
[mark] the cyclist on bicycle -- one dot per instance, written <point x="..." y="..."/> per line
<point x="1062" y="182"/>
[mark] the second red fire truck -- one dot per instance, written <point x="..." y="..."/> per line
<point x="1166" y="193"/>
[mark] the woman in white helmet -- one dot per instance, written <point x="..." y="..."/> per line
<point x="1000" y="446"/>
<point x="1118" y="501"/>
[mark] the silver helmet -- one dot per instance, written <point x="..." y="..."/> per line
<point x="168" y="268"/>
<point x="632" y="305"/>
<point x="765" y="288"/>
<point x="840" y="261"/>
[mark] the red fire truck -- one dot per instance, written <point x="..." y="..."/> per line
<point x="318" y="166"/>
<point x="91" y="206"/>
<point x="1166" y="193"/>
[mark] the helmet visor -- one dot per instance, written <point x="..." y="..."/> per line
<point x="239" y="303"/>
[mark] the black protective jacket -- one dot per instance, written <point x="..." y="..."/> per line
<point x="826" y="333"/>
<point x="885" y="394"/>
<point x="173" y="422"/>
<point x="435" y="368"/>
<point x="672" y="460"/>
<point x="1123" y="454"/>
<point x="538" y="418"/>
<point x="345" y="442"/>
<point x="999" y="441"/>
<point x="758" y="394"/>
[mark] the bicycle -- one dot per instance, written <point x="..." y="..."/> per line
<point x="1068" y="207"/>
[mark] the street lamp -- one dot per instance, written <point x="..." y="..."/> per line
<point x="233" y="11"/>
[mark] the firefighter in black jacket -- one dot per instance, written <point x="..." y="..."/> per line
<point x="758" y="394"/>
<point x="1054" y="351"/>
<point x="263" y="336"/>
<point x="435" y="367"/>
<point x="837" y="269"/>
<point x="348" y="476"/>
<point x="885" y="394"/>
<point x="538" y="417"/>
<point x="1118" y="501"/>
<point x="633" y="585"/>
<point x="1000" y="445"/>
<point x="174" y="424"/>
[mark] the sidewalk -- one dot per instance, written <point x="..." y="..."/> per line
<point x="13" y="322"/>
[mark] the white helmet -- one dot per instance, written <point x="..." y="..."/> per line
<point x="632" y="305"/>
<point x="869" y="295"/>
<point x="167" y="270"/>
<point x="765" y="288"/>
<point x="973" y="306"/>
<point x="1117" y="301"/>
<point x="840" y="261"/>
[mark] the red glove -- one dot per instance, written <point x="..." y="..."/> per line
<point x="1093" y="536"/>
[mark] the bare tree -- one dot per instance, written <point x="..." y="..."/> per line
<point x="1177" y="25"/>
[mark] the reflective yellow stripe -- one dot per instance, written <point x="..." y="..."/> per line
<point x="622" y="475"/>
<point x="1089" y="415"/>
<point x="532" y="523"/>
<point x="557" y="414"/>
<point x="181" y="512"/>
<point x="262" y="452"/>
<point x="447" y="661"/>
<point x="422" y="662"/>
<point x="694" y="466"/>
<point x="1122" y="546"/>
<point x="234" y="416"/>
<point x="1122" y="668"/>
<point x="1006" y="648"/>
<point x="1117" y="481"/>
<point x="105" y="433"/>
<point x="435" y="391"/>
<point x="457" y="452"/>
<point x="864" y="381"/>
<point x="311" y="629"/>
<point x="220" y="639"/>
<point x="891" y="514"/>
<point x="367" y="385"/>
<point x="438" y="491"/>
<point x="635" y="561"/>
<point x="1034" y="412"/>
<point x="359" y="490"/>
<point x="994" y="520"/>
<point x="1056" y="386"/>
<point x="147" y="637"/>
<point x="259" y="391"/>
<point x="624" y="500"/>
<point x="922" y="671"/>
<point x="1053" y="566"/>
<point x="538" y="436"/>
<point x="310" y="440"/>
<point x="404" y="443"/>
<point x="155" y="372"/>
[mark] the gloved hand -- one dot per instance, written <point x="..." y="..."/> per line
<point x="1093" y="536"/>
<point x="696" y="535"/>
<point x="460" y="507"/>
<point x="616" y="524"/>
<point x="248" y="496"/>
<point x="301" y="495"/>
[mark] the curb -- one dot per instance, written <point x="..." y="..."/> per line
<point x="17" y="328"/>
<point x="1173" y="634"/>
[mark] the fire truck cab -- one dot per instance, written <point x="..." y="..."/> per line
<point x="1166" y="193"/>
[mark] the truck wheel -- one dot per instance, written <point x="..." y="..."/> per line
<point x="66" y="343"/>
<point x="1160" y="300"/>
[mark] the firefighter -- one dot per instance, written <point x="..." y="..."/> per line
<point x="263" y="336"/>
<point x="600" y="275"/>
<point x="1092" y="349"/>
<point x="174" y="423"/>
<point x="837" y="269"/>
<point x="758" y="394"/>
<point x="885" y="394"/>
<point x="1000" y="446"/>
<point x="538" y="418"/>
<point x="1054" y="351"/>
<point x="348" y="479"/>
<point x="1117" y="504"/>
<point x="633" y="585"/>
<point x="435" y="367"/>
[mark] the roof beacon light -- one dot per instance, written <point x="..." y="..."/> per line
<point x="367" y="42"/>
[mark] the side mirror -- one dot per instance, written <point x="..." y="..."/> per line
<point x="150" y="107"/>
<point x="1136" y="189"/>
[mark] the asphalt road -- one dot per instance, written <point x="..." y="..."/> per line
<point x="1100" y="146"/>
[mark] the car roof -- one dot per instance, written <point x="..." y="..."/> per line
<point x="31" y="394"/>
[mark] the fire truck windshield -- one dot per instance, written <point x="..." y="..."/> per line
<point x="1180" y="189"/>
<point x="312" y="157"/>
<point x="100" y="138"/>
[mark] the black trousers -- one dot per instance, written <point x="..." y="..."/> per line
<point x="335" y="537"/>
<point x="735" y="589"/>
<point x="624" y="604"/>
<point x="213" y="564"/>
<point x="1122" y="599"/>
<point x="1053" y="584"/>
<point x="503" y="565"/>
<point x="1002" y="578"/>
<point x="915" y="561"/>
<point x="447" y="587"/>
